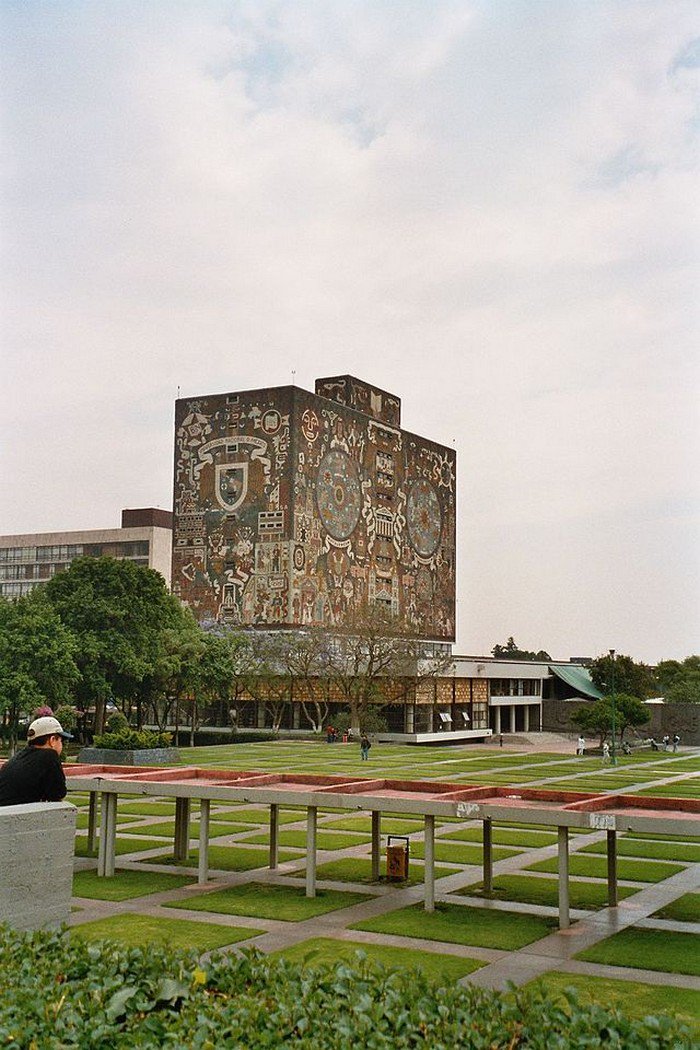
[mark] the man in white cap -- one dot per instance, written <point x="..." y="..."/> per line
<point x="35" y="773"/>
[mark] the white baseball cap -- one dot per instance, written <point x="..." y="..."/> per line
<point x="47" y="726"/>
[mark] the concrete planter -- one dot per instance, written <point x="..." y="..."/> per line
<point x="36" y="864"/>
<point x="146" y="756"/>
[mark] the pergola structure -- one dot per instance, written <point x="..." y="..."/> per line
<point x="561" y="809"/>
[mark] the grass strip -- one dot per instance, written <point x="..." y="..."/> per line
<point x="642" y="949"/>
<point x="261" y="901"/>
<point x="227" y="858"/>
<point x="462" y="924"/>
<point x="685" y="909"/>
<point x="322" y="951"/>
<point x="124" y="885"/>
<point x="597" y="868"/>
<point x="635" y="998"/>
<point x="531" y="889"/>
<point x="359" y="869"/>
<point x="139" y="930"/>
<point x="681" y="851"/>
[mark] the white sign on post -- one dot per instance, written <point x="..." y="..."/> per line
<point x="602" y="822"/>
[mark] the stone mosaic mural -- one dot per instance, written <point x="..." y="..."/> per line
<point x="293" y="508"/>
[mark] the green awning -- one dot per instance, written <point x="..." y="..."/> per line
<point x="578" y="678"/>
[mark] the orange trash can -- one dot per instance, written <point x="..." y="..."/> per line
<point x="397" y="858"/>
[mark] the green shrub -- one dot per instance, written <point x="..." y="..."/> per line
<point x="68" y="717"/>
<point x="370" y="721"/>
<point x="117" y="722"/>
<point x="60" y="992"/>
<point x="132" y="740"/>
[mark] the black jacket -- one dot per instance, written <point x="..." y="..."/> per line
<point x="34" y="774"/>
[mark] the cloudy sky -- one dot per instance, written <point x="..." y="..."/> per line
<point x="488" y="208"/>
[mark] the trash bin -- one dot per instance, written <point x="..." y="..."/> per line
<point x="397" y="858"/>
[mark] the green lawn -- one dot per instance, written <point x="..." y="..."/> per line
<point x="359" y="869"/>
<point x="228" y="858"/>
<point x="389" y="825"/>
<point x="504" y="837"/>
<point x="318" y="951"/>
<point x="461" y="924"/>
<point x="683" y="851"/>
<point x="124" y="885"/>
<point x="324" y="839"/>
<point x="643" y="949"/>
<point x="138" y="930"/>
<point x="530" y="889"/>
<point x="286" y="903"/>
<point x="597" y="868"/>
<point x="166" y="829"/>
<point x="82" y="820"/>
<point x="633" y="998"/>
<point x="685" y="909"/>
<point x="123" y="845"/>
<point x="455" y="853"/>
<point x="681" y="789"/>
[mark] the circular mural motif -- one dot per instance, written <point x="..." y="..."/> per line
<point x="423" y="518"/>
<point x="338" y="494"/>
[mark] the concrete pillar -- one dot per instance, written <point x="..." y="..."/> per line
<point x="497" y="720"/>
<point x="274" y="835"/>
<point x="203" y="867"/>
<point x="182" y="829"/>
<point x="487" y="857"/>
<point x="512" y="718"/>
<point x="526" y="713"/>
<point x="108" y="834"/>
<point x="92" y="822"/>
<point x="563" y="843"/>
<point x="376" y="843"/>
<point x="311" y="815"/>
<point x="429" y="862"/>
<point x="409" y="720"/>
<point x="612" y="869"/>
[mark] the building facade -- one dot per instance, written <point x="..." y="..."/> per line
<point x="26" y="561"/>
<point x="294" y="509"/>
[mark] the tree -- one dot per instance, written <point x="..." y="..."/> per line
<point x="627" y="676"/>
<point x="510" y="651"/>
<point x="175" y="672"/>
<point x="679" y="681"/>
<point x="596" y="718"/>
<point x="228" y="662"/>
<point x="307" y="662"/>
<point x="117" y="611"/>
<point x="374" y="659"/>
<point x="37" y="659"/>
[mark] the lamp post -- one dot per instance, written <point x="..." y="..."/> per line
<point x="613" y="755"/>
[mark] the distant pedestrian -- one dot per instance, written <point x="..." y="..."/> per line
<point x="581" y="746"/>
<point x="676" y="742"/>
<point x="666" y="741"/>
<point x="364" y="747"/>
<point x="606" y="753"/>
<point x="500" y="739"/>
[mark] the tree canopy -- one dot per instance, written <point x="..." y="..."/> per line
<point x="511" y="651"/>
<point x="117" y="612"/>
<point x="679" y="681"/>
<point x="596" y="718"/>
<point x="37" y="659"/>
<point x="625" y="674"/>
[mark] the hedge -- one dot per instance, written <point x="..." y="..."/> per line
<point x="132" y="740"/>
<point x="61" y="993"/>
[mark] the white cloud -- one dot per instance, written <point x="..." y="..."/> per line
<point x="489" y="209"/>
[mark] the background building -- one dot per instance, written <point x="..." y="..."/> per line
<point x="26" y="561"/>
<point x="294" y="509"/>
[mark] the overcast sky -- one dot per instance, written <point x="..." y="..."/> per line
<point x="489" y="208"/>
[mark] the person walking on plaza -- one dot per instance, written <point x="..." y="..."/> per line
<point x="364" y="747"/>
<point x="35" y="773"/>
<point x="606" y="753"/>
<point x="581" y="746"/>
<point x="676" y="742"/>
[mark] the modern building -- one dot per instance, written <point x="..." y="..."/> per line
<point x="294" y="509"/>
<point x="145" y="537"/>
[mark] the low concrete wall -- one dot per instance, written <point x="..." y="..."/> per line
<point x="683" y="719"/>
<point x="153" y="756"/>
<point x="37" y="842"/>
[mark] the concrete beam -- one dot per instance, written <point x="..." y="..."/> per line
<point x="376" y="844"/>
<point x="612" y="869"/>
<point x="487" y="857"/>
<point x="274" y="835"/>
